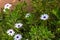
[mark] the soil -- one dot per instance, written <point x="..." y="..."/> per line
<point x="14" y="2"/>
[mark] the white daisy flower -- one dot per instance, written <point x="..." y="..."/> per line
<point x="44" y="17"/>
<point x="10" y="32"/>
<point x="27" y="15"/>
<point x="18" y="37"/>
<point x="7" y="6"/>
<point x="18" y="25"/>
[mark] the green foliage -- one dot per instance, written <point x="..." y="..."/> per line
<point x="40" y="33"/>
<point x="33" y="27"/>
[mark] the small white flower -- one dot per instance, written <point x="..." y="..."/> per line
<point x="10" y="32"/>
<point x="18" y="37"/>
<point x="4" y="10"/>
<point x="26" y="39"/>
<point x="18" y="25"/>
<point x="7" y="6"/>
<point x="44" y="17"/>
<point x="27" y="15"/>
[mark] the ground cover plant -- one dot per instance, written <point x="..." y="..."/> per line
<point x="40" y="23"/>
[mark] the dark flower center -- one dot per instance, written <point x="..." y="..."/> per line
<point x="7" y="5"/>
<point x="10" y="31"/>
<point x="44" y="17"/>
<point x="17" y="36"/>
<point x="18" y="25"/>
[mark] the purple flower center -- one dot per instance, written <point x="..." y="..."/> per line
<point x="7" y="5"/>
<point x="18" y="25"/>
<point x="44" y="17"/>
<point x="10" y="31"/>
<point x="17" y="36"/>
